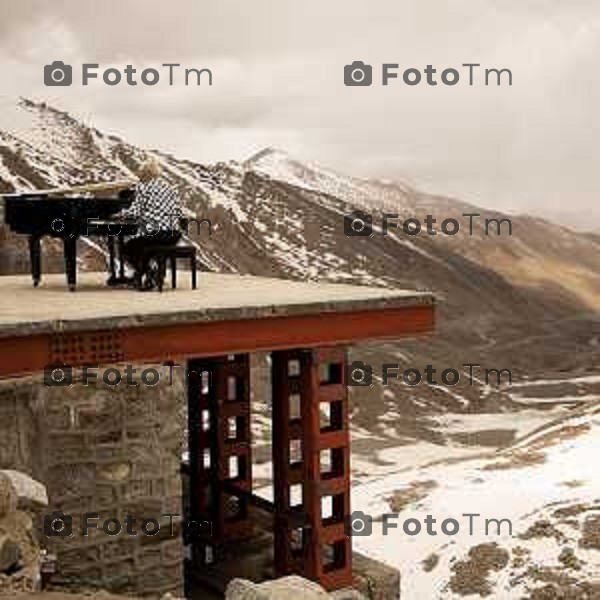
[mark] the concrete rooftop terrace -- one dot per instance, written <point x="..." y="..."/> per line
<point x="227" y="314"/>
<point x="25" y="310"/>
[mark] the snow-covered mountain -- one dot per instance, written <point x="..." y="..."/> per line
<point x="278" y="165"/>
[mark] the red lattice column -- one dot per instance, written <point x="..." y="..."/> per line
<point x="220" y="448"/>
<point x="311" y="463"/>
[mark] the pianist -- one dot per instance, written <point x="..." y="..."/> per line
<point x="156" y="208"/>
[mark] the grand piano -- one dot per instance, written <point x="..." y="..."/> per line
<point x="69" y="214"/>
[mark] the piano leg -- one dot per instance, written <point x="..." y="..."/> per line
<point x="121" y="257"/>
<point x="70" y="252"/>
<point x="111" y="257"/>
<point x="35" y="259"/>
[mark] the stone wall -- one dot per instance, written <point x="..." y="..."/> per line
<point x="108" y="450"/>
<point x="18" y="426"/>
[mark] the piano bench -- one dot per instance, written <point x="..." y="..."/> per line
<point x="171" y="253"/>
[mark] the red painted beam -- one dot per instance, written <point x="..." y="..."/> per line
<point x="278" y="333"/>
<point x="23" y="355"/>
<point x="20" y="355"/>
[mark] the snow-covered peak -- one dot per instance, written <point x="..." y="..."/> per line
<point x="44" y="147"/>
<point x="279" y="165"/>
<point x="33" y="122"/>
<point x="267" y="156"/>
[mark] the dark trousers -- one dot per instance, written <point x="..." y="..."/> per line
<point x="137" y="249"/>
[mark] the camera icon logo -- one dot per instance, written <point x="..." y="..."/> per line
<point x="58" y="74"/>
<point x="64" y="226"/>
<point x="359" y="524"/>
<point x="359" y="374"/>
<point x="57" y="524"/>
<point x="358" y="224"/>
<point x="358" y="73"/>
<point x="58" y="374"/>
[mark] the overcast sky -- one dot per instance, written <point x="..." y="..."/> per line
<point x="278" y="81"/>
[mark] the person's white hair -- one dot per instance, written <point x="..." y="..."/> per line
<point x="149" y="169"/>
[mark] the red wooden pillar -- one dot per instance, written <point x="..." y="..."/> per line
<point x="311" y="465"/>
<point x="220" y="448"/>
<point x="284" y="474"/>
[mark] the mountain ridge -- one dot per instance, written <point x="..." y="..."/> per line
<point x="286" y="219"/>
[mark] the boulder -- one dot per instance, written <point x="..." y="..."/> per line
<point x="286" y="588"/>
<point x="31" y="494"/>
